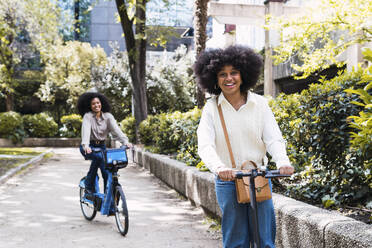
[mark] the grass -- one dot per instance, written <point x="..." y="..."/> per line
<point x="8" y="163"/>
<point x="213" y="223"/>
<point x="20" y="151"/>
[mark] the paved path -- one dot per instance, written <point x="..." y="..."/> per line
<point x="40" y="208"/>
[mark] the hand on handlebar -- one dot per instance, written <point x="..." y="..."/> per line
<point x="286" y="170"/>
<point x="87" y="150"/>
<point x="127" y="146"/>
<point x="226" y="174"/>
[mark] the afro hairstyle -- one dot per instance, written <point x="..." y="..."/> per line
<point x="83" y="104"/>
<point x="242" y="58"/>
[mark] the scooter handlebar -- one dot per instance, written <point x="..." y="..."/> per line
<point x="266" y="174"/>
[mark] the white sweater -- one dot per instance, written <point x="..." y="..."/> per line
<point x="252" y="131"/>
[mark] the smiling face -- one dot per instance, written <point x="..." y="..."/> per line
<point x="95" y="105"/>
<point x="229" y="80"/>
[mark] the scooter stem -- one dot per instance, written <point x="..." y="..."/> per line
<point x="252" y="192"/>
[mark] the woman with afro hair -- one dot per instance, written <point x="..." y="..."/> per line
<point x="228" y="74"/>
<point x="97" y="123"/>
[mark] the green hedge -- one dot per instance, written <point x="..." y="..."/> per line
<point x="185" y="131"/>
<point x="156" y="131"/>
<point x="40" y="125"/>
<point x="71" y="126"/>
<point x="315" y="125"/>
<point x="147" y="128"/>
<point x="11" y="126"/>
<point x="361" y="139"/>
<point x="128" y="126"/>
<point x="173" y="133"/>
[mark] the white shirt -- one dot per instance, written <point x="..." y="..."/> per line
<point x="252" y="131"/>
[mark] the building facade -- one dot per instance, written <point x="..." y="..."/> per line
<point x="105" y="28"/>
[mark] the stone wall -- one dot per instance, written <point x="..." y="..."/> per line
<point x="298" y="224"/>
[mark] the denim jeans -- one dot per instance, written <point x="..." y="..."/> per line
<point x="97" y="162"/>
<point x="237" y="223"/>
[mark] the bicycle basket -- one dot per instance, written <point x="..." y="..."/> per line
<point x="116" y="157"/>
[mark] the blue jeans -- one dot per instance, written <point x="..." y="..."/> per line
<point x="237" y="223"/>
<point x="97" y="162"/>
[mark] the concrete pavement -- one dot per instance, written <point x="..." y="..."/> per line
<point x="40" y="208"/>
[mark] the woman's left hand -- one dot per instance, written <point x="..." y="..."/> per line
<point x="286" y="170"/>
<point x="129" y="145"/>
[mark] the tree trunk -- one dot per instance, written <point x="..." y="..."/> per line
<point x="136" y="50"/>
<point x="77" y="21"/>
<point x="200" y="38"/>
<point x="9" y="77"/>
<point x="9" y="102"/>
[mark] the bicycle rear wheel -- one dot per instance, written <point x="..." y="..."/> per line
<point x="87" y="206"/>
<point x="121" y="211"/>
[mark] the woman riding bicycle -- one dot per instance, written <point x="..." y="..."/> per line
<point x="97" y="123"/>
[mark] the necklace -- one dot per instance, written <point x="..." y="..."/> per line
<point x="240" y="103"/>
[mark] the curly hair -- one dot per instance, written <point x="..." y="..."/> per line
<point x="242" y="58"/>
<point x="83" y="104"/>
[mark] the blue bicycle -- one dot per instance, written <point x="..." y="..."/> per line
<point x="112" y="201"/>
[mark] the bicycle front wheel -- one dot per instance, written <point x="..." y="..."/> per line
<point x="87" y="206"/>
<point x="121" y="211"/>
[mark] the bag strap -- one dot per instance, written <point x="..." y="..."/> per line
<point x="225" y="133"/>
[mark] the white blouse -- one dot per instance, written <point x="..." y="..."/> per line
<point x="252" y="131"/>
<point x="98" y="129"/>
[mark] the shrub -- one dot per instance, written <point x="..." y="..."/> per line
<point x="147" y="128"/>
<point x="170" y="82"/>
<point x="173" y="133"/>
<point x="361" y="140"/>
<point x="163" y="136"/>
<point x="185" y="132"/>
<point x="40" y="125"/>
<point x="113" y="80"/>
<point x="71" y="126"/>
<point x="128" y="126"/>
<point x="11" y="126"/>
<point x="315" y="125"/>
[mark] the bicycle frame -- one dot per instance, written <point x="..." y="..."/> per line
<point x="107" y="197"/>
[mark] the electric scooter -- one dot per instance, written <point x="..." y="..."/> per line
<point x="252" y="193"/>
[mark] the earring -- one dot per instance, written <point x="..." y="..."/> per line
<point x="216" y="86"/>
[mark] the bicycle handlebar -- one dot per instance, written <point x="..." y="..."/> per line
<point x="255" y="173"/>
<point x="98" y="149"/>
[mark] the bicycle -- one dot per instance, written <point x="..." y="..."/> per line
<point x="252" y="193"/>
<point x="112" y="201"/>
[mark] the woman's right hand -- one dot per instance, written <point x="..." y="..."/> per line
<point x="87" y="149"/>
<point x="226" y="174"/>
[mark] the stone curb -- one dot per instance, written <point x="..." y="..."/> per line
<point x="298" y="224"/>
<point x="13" y="171"/>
